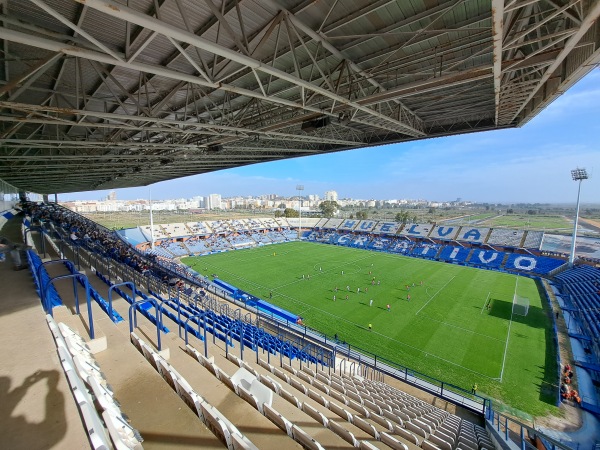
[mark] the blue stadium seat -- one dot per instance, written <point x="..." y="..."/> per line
<point x="486" y="258"/>
<point x="541" y="265"/>
<point x="453" y="253"/>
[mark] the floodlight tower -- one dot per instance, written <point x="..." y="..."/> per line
<point x="299" y="188"/>
<point x="577" y="175"/>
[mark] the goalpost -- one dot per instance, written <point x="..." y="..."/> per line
<point x="520" y="305"/>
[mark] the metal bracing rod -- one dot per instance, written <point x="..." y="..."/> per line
<point x="78" y="154"/>
<point x="33" y="78"/>
<point x="38" y="68"/>
<point x="36" y="41"/>
<point x="544" y="58"/>
<point x="476" y="38"/>
<point x="189" y="59"/>
<point x="188" y="27"/>
<point x="280" y="92"/>
<point x="127" y="55"/>
<point x="318" y="37"/>
<point x="105" y="74"/>
<point x="223" y="22"/>
<point x="515" y="4"/>
<point x="409" y="89"/>
<point x="536" y="25"/>
<point x="432" y="84"/>
<point x="143" y="158"/>
<point x="587" y="22"/>
<point x="563" y="34"/>
<point x="43" y="6"/>
<point x="122" y="12"/>
<point x="178" y="126"/>
<point x="498" y="37"/>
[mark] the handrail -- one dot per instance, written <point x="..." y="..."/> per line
<point x="228" y="339"/>
<point x="200" y="315"/>
<point x="342" y="361"/>
<point x="39" y="229"/>
<point x="161" y="302"/>
<point x="86" y="284"/>
<point x="129" y="284"/>
<point x="302" y="350"/>
<point x="241" y="340"/>
<point x="285" y="342"/>
<point x="502" y="425"/>
<point x="40" y="280"/>
<point x="133" y="318"/>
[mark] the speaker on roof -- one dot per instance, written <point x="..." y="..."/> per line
<point x="312" y="125"/>
<point x="214" y="148"/>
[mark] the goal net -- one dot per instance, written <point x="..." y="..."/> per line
<point x="520" y="305"/>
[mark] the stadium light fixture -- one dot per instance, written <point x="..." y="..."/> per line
<point x="299" y="188"/>
<point x="577" y="175"/>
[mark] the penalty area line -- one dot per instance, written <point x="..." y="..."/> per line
<point x="508" y="332"/>
<point x="485" y="303"/>
<point x="438" y="291"/>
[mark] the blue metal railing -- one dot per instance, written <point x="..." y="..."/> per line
<point x="48" y="307"/>
<point x="200" y="315"/>
<point x="112" y="288"/>
<point x="133" y="318"/>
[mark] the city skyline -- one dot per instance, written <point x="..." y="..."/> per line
<point x="520" y="165"/>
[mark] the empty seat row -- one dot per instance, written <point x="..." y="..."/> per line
<point x="216" y="422"/>
<point x="102" y="416"/>
<point x="381" y="425"/>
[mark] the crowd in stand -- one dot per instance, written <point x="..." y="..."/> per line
<point x="566" y="390"/>
<point x="86" y="233"/>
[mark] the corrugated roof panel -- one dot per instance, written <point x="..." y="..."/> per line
<point x="434" y="57"/>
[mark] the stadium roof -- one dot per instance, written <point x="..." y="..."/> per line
<point x="99" y="94"/>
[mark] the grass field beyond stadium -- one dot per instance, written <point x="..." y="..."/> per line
<point x="445" y="330"/>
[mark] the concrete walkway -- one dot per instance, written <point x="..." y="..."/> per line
<point x="37" y="410"/>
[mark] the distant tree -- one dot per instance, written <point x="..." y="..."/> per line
<point x="402" y="217"/>
<point x="290" y="212"/>
<point x="487" y="207"/>
<point x="351" y="216"/>
<point x="431" y="211"/>
<point x="531" y="211"/>
<point x="281" y="206"/>
<point x="414" y="219"/>
<point x="509" y="211"/>
<point x="362" y="215"/>
<point x="278" y="213"/>
<point x="329" y="208"/>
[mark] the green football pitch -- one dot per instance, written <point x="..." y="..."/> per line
<point x="457" y="326"/>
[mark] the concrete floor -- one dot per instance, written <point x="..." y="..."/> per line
<point x="37" y="410"/>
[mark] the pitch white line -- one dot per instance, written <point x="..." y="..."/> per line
<point x="461" y="328"/>
<point x="439" y="290"/>
<point x="339" y="318"/>
<point x="485" y="303"/>
<point x="508" y="333"/>
<point x="431" y="354"/>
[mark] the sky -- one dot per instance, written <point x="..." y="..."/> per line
<point x="521" y="165"/>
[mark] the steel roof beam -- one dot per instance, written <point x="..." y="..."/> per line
<point x="592" y="16"/>
<point x="498" y="38"/>
<point x="322" y="39"/>
<point x="124" y="13"/>
<point x="176" y="127"/>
